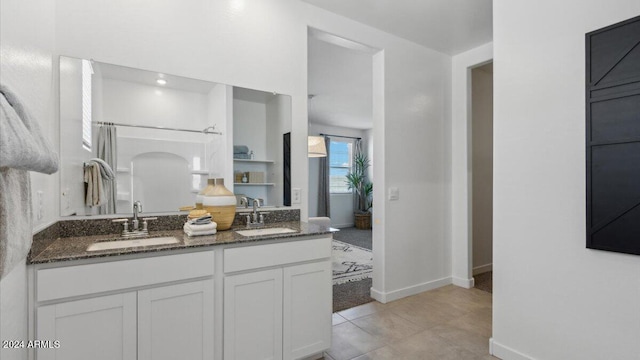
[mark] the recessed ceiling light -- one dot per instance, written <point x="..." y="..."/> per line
<point x="161" y="81"/>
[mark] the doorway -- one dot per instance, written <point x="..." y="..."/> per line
<point x="340" y="106"/>
<point x="482" y="176"/>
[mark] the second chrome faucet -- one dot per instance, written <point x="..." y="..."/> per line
<point x="136" y="231"/>
<point x="258" y="218"/>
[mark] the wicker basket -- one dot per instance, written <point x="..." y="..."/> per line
<point x="363" y="221"/>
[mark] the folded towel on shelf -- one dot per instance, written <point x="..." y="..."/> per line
<point x="106" y="172"/>
<point x="240" y="149"/>
<point x="241" y="156"/>
<point x="200" y="230"/>
<point x="94" y="188"/>
<point x="23" y="148"/>
<point x="202" y="220"/>
<point x="200" y="233"/>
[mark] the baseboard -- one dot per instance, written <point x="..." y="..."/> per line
<point x="464" y="283"/>
<point x="482" y="269"/>
<point x="506" y="353"/>
<point x="408" y="291"/>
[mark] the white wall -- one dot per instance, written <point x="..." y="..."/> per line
<point x="553" y="298"/>
<point x="26" y="44"/>
<point x="250" y="126"/>
<point x="482" y="167"/>
<point x="263" y="45"/>
<point x="219" y="146"/>
<point x="138" y="104"/>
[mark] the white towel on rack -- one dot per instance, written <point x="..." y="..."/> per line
<point x="23" y="148"/>
<point x="95" y="192"/>
<point x="106" y="172"/>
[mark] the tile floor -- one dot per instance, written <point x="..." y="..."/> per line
<point x="445" y="323"/>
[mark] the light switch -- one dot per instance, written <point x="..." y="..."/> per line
<point x="394" y="193"/>
<point x="295" y="196"/>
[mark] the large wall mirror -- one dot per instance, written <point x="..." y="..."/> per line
<point x="136" y="135"/>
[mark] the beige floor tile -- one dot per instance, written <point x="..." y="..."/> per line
<point x="362" y="310"/>
<point x="326" y="357"/>
<point x="427" y="345"/>
<point x="390" y="326"/>
<point x="469" y="340"/>
<point x="477" y="322"/>
<point x="428" y="313"/>
<point x="337" y="319"/>
<point x="349" y="341"/>
<point x="424" y="341"/>
<point x="441" y="324"/>
<point x="384" y="353"/>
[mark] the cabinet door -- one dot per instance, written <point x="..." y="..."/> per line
<point x="102" y="328"/>
<point x="176" y="322"/>
<point x="253" y="316"/>
<point x="307" y="309"/>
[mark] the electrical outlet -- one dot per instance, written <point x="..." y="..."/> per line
<point x="295" y="196"/>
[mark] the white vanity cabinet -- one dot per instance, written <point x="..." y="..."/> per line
<point x="149" y="308"/>
<point x="176" y="322"/>
<point x="253" y="315"/>
<point x="100" y="328"/>
<point x="277" y="300"/>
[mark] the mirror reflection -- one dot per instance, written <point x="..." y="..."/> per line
<point x="135" y="135"/>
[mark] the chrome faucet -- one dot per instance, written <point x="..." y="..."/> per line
<point x="136" y="231"/>
<point x="258" y="219"/>
<point x="137" y="208"/>
<point x="256" y="206"/>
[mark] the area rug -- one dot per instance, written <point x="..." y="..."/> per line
<point x="353" y="236"/>
<point x="350" y="263"/>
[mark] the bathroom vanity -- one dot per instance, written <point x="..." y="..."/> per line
<point x="233" y="295"/>
<point x="225" y="296"/>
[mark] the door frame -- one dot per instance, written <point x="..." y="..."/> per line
<point x="461" y="226"/>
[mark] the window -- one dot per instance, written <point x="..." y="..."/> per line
<point x="87" y="71"/>
<point x="340" y="155"/>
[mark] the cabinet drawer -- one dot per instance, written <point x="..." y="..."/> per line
<point x="259" y="256"/>
<point x="63" y="282"/>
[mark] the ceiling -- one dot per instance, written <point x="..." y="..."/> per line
<point x="448" y="26"/>
<point x="145" y="77"/>
<point x="340" y="84"/>
<point x="340" y="72"/>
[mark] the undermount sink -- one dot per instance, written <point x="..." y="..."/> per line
<point x="122" y="244"/>
<point x="265" y="231"/>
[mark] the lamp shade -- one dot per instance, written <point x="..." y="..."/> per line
<point x="317" y="147"/>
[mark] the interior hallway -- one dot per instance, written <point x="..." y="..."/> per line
<point x="445" y="323"/>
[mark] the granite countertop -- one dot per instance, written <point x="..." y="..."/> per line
<point x="75" y="248"/>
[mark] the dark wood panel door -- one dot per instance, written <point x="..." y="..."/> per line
<point x="613" y="137"/>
